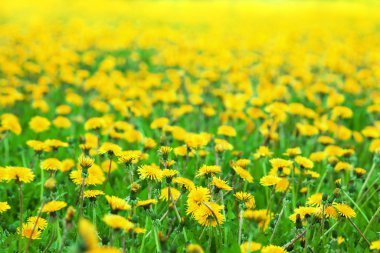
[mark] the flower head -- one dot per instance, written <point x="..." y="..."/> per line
<point x="151" y="172"/>
<point x="344" y="210"/>
<point x="220" y="184"/>
<point x="117" y="204"/>
<point x="53" y="206"/>
<point x="269" y="180"/>
<point x="208" y="170"/>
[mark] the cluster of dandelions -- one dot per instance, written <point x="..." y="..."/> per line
<point x="215" y="143"/>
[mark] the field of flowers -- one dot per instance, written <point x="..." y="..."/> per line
<point x="189" y="126"/>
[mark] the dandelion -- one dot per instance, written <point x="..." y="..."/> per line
<point x="151" y="172"/>
<point x="273" y="249"/>
<point x="184" y="182"/>
<point x="220" y="184"/>
<point x="118" y="222"/>
<point x="196" y="197"/>
<point x="208" y="214"/>
<point x="243" y="174"/>
<point x="53" y="206"/>
<point x="4" y="206"/>
<point x="175" y="194"/>
<point x="304" y="162"/>
<point x="146" y="203"/>
<point x="28" y="232"/>
<point x="250" y="247"/>
<point x="344" y="210"/>
<point x="51" y="164"/>
<point x="262" y="151"/>
<point x="194" y="248"/>
<point x="117" y="204"/>
<point x="269" y="180"/>
<point x="39" y="124"/>
<point x="208" y="170"/>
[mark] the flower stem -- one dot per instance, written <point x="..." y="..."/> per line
<point x="21" y="216"/>
<point x="277" y="222"/>
<point x="81" y="197"/>
<point x="371" y="221"/>
<point x="367" y="179"/>
<point x="359" y="231"/>
<point x="240" y="225"/>
<point x="156" y="240"/>
<point x="42" y="185"/>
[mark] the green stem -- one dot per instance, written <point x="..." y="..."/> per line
<point x="21" y="216"/>
<point x="368" y="177"/>
<point x="59" y="238"/>
<point x="156" y="239"/>
<point x="143" y="240"/>
<point x="357" y="207"/>
<point x="371" y="221"/>
<point x="42" y="185"/>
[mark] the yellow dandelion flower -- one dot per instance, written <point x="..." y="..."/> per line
<point x="227" y="131"/>
<point x="94" y="123"/>
<point x="269" y="180"/>
<point x="92" y="194"/>
<point x="129" y="157"/>
<point x="21" y="174"/>
<point x="105" y="165"/>
<point x="273" y="249"/>
<point x="4" y="207"/>
<point x="151" y="172"/>
<point x="28" y="232"/>
<point x="243" y="174"/>
<point x="184" y="182"/>
<point x="146" y="203"/>
<point x="50" y="183"/>
<point x="149" y="143"/>
<point x="40" y="222"/>
<point x="220" y="184"/>
<point x="342" y="166"/>
<point x="243" y="196"/>
<point x="375" y="245"/>
<point x="85" y="161"/>
<point x="194" y="248"/>
<point x="118" y="222"/>
<point x="315" y="200"/>
<point x="196" y="197"/>
<point x="280" y="163"/>
<point x="55" y="144"/>
<point x="95" y="176"/>
<point x="242" y="163"/>
<point x="89" y="234"/>
<point x="51" y="164"/>
<point x="165" y="194"/>
<point x="139" y="230"/>
<point x="292" y="152"/>
<point x="344" y="210"/>
<point x="117" y="204"/>
<point x="209" y="214"/>
<point x="109" y="148"/>
<point x="246" y="247"/>
<point x="262" y="151"/>
<point x="37" y="146"/>
<point x="208" y="170"/>
<point x="304" y="162"/>
<point x="303" y="211"/>
<point x="159" y="123"/>
<point x="282" y="185"/>
<point x="39" y="124"/>
<point x="53" y="206"/>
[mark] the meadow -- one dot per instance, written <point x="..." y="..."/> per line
<point x="189" y="126"/>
